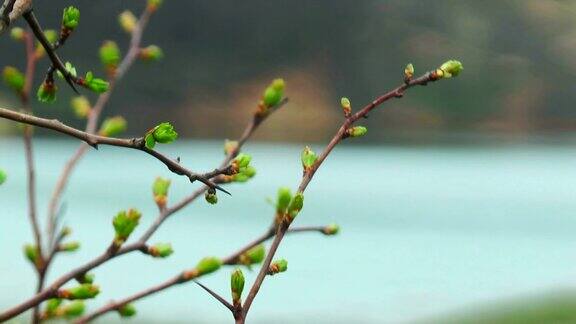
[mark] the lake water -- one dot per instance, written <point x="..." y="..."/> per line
<point x="425" y="230"/>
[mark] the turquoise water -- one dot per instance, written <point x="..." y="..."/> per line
<point x="424" y="230"/>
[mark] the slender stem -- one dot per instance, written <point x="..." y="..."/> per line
<point x="179" y="279"/>
<point x="93" y="119"/>
<point x="284" y="225"/>
<point x="140" y="244"/>
<point x="31" y="61"/>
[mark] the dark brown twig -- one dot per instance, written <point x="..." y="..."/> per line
<point x="95" y="140"/>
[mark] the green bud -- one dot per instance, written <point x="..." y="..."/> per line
<point x="451" y="68"/>
<point x="127" y="310"/>
<point x="32" y="253"/>
<point x="71" y="18"/>
<point x="230" y="146"/>
<point x="161" y="250"/>
<point x="309" y="158"/>
<point x="81" y="106"/>
<point x="69" y="68"/>
<point x="211" y="197"/>
<point x="13" y="78"/>
<point x="277" y="267"/>
<point x="254" y="256"/>
<point x="237" y="284"/>
<point x="296" y="205"/>
<point x="243" y="160"/>
<point x="244" y="175"/>
<point x="95" y="84"/>
<point x="151" y="53"/>
<point x="17" y="34"/>
<point x="331" y="229"/>
<point x="52" y="305"/>
<point x="124" y="224"/>
<point x="283" y="200"/>
<point x="86" y="278"/>
<point x="127" y="21"/>
<point x="109" y="54"/>
<point x="73" y="309"/>
<point x="346" y="106"/>
<point x="47" y="92"/>
<point x="83" y="291"/>
<point x="66" y="231"/>
<point x="69" y="246"/>
<point x="165" y="133"/>
<point x="357" y="131"/>
<point x="113" y="126"/>
<point x="208" y="265"/>
<point x="160" y="191"/>
<point x="3" y="176"/>
<point x="408" y="71"/>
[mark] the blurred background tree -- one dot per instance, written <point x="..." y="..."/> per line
<point x="519" y="58"/>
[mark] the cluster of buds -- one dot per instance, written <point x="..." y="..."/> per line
<point x="277" y="266"/>
<point x="151" y="53"/>
<point x="128" y="21"/>
<point x="81" y="106"/>
<point x="163" y="133"/>
<point x="124" y="224"/>
<point x="113" y="126"/>
<point x="240" y="169"/>
<point x="272" y="96"/>
<point x="70" y="20"/>
<point x="448" y="69"/>
<point x="204" y="267"/>
<point x="308" y="158"/>
<point x="14" y="78"/>
<point x="127" y="310"/>
<point x="55" y="309"/>
<point x="110" y="57"/>
<point x="83" y="291"/>
<point x="160" y="191"/>
<point x="236" y="286"/>
<point x="288" y="206"/>
<point x="253" y="256"/>
<point x="160" y="250"/>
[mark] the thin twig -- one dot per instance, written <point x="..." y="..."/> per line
<point x="284" y="225"/>
<point x="93" y="119"/>
<point x="95" y="140"/>
<point x="137" y="246"/>
<point x="232" y="259"/>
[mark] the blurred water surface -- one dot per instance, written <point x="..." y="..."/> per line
<point x="424" y="229"/>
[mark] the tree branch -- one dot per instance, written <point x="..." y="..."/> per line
<point x="93" y="118"/>
<point x="284" y="225"/>
<point x="140" y="244"/>
<point x="179" y="279"/>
